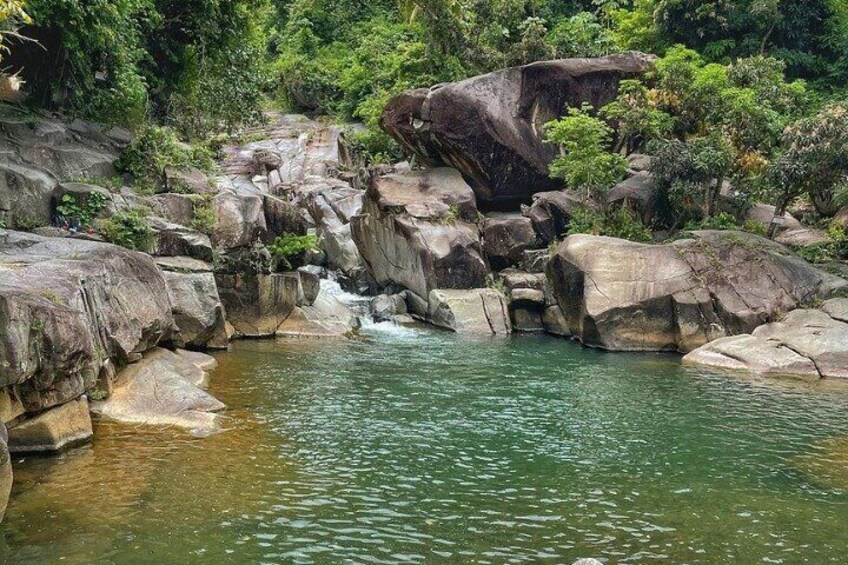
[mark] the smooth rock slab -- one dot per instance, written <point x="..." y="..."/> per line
<point x="197" y="310"/>
<point x="155" y="392"/>
<point x="746" y="353"/>
<point x="481" y="311"/>
<point x="60" y="428"/>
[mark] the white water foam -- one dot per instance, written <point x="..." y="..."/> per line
<point x="360" y="305"/>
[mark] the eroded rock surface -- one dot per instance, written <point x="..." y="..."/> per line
<point x="490" y="127"/>
<point x="482" y="311"/>
<point x="626" y="296"/>
<point x="158" y="390"/>
<point x="59" y="428"/>
<point x="417" y="232"/>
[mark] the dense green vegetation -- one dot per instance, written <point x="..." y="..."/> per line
<point x="745" y="91"/>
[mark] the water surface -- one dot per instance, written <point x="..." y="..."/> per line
<point x="420" y="446"/>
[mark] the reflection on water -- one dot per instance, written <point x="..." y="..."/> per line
<point x="409" y="445"/>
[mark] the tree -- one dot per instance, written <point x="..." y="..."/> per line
<point x="586" y="161"/>
<point x="814" y="161"/>
<point x="12" y="17"/>
<point x="636" y="115"/>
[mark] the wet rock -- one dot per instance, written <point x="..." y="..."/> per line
<point x="554" y="322"/>
<point x="5" y="471"/>
<point x="310" y="282"/>
<point x="526" y="319"/>
<point x="198" y="312"/>
<point x="175" y="240"/>
<point x="746" y="353"/>
<point x="327" y="317"/>
<point x="491" y="127"/>
<point x="416" y="232"/>
<point x="626" y="296"/>
<point x="482" y="311"/>
<point x="71" y="305"/>
<point x="385" y="306"/>
<point x="551" y="213"/>
<point x="155" y="392"/>
<point x="57" y="429"/>
<point x="505" y="239"/>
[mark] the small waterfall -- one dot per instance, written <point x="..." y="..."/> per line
<point x="362" y="308"/>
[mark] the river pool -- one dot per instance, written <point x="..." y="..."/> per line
<point x="418" y="446"/>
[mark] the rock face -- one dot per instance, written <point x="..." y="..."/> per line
<point x="551" y="213"/>
<point x="506" y="238"/>
<point x="155" y="391"/>
<point x="197" y="309"/>
<point x="480" y="311"/>
<point x="69" y="306"/>
<point x="626" y="296"/>
<point x="490" y="127"/>
<point x="257" y="304"/>
<point x="5" y="471"/>
<point x="806" y="343"/>
<point x="57" y="429"/>
<point x="416" y="232"/>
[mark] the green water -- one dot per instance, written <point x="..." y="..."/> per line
<point x="422" y="447"/>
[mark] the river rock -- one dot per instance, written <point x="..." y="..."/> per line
<point x="155" y="391"/>
<point x="554" y="322"/>
<point x="327" y="317"/>
<point x="56" y="429"/>
<point x="416" y="232"/>
<point x="505" y="239"/>
<point x="257" y="304"/>
<point x="69" y="306"/>
<point x="806" y="343"/>
<point x="626" y="296"/>
<point x="481" y="311"/>
<point x="551" y="213"/>
<point x="5" y="471"/>
<point x="491" y="127"/>
<point x="198" y="312"/>
<point x="386" y="306"/>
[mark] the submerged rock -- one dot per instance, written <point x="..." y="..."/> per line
<point x="491" y="127"/>
<point x="626" y="296"/>
<point x="158" y="391"/>
<point x="416" y="232"/>
<point x="481" y="311"/>
<point x="57" y="429"/>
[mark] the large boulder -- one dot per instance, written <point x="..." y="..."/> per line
<point x="5" y="471"/>
<point x="326" y="317"/>
<point x="257" y="304"/>
<point x="481" y="311"/>
<point x="626" y="296"/>
<point x="638" y="193"/>
<point x="52" y="431"/>
<point x="156" y="392"/>
<point x="239" y="217"/>
<point x="198" y="311"/>
<point x="417" y="232"/>
<point x="491" y="127"/>
<point x="505" y="239"/>
<point x="806" y="343"/>
<point x="551" y="213"/>
<point x="175" y="240"/>
<point x="67" y="307"/>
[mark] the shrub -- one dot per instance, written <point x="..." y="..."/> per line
<point x="82" y="209"/>
<point x="203" y="214"/>
<point x="129" y="229"/>
<point x="722" y="221"/>
<point x="621" y="223"/>
<point x="289" y="249"/>
<point x="155" y="148"/>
